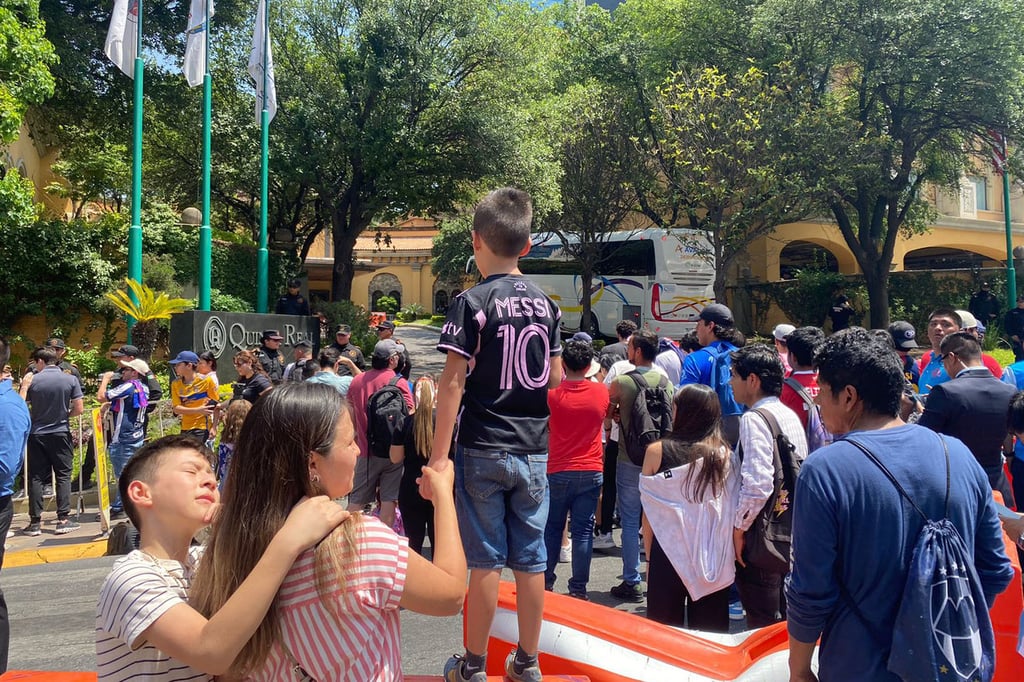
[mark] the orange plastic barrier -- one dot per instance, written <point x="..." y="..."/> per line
<point x="1005" y="615"/>
<point x="46" y="676"/>
<point x="580" y="638"/>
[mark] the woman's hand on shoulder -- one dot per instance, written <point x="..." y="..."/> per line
<point x="311" y="520"/>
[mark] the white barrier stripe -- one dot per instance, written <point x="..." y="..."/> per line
<point x="563" y="641"/>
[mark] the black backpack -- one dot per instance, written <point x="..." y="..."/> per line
<point x="650" y="417"/>
<point x="386" y="412"/>
<point x="769" y="539"/>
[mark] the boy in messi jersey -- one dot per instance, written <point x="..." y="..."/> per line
<point x="502" y="342"/>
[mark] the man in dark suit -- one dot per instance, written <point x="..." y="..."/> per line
<point x="972" y="406"/>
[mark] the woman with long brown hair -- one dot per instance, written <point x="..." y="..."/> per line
<point x="336" y="614"/>
<point x="689" y="487"/>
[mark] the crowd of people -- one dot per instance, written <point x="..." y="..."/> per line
<point x="762" y="481"/>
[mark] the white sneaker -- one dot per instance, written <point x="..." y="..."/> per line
<point x="565" y="554"/>
<point x="604" y="541"/>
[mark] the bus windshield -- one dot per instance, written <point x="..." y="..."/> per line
<point x="634" y="258"/>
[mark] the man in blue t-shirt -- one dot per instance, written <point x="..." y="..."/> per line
<point x="941" y="322"/>
<point x="847" y="552"/>
<point x="718" y="336"/>
<point x="14" y="427"/>
<point x="502" y="341"/>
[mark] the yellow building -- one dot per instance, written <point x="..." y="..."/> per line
<point x="399" y="268"/>
<point x="33" y="160"/>
<point x="968" y="234"/>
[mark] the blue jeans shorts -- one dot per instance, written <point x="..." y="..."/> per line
<point x="502" y="503"/>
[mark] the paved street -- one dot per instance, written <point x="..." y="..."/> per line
<point x="52" y="607"/>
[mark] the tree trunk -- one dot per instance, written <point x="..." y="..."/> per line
<point x="877" y="280"/>
<point x="344" y="265"/>
<point x="586" y="284"/>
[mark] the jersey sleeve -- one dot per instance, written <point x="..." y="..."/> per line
<point x="461" y="331"/>
<point x="134" y="596"/>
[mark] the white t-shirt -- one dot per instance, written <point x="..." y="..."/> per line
<point x="138" y="590"/>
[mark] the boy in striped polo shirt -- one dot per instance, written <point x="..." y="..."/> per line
<point x="145" y="628"/>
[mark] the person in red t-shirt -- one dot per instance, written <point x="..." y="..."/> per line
<point x="575" y="464"/>
<point x="802" y="343"/>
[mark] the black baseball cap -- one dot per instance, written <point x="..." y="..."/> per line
<point x="272" y="334"/>
<point x="303" y="343"/>
<point x="126" y="349"/>
<point x="717" y="313"/>
<point x="294" y="283"/>
<point x="343" y="329"/>
<point x="904" y="336"/>
<point x="55" y="343"/>
<point x="386" y="324"/>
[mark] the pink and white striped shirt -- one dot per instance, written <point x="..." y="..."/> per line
<point x="363" y="645"/>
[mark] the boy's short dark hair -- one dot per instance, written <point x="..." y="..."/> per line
<point x="944" y="311"/>
<point x="645" y="341"/>
<point x="854" y="357"/>
<point x="689" y="342"/>
<point x="577" y="355"/>
<point x="625" y="329"/>
<point x="963" y="344"/>
<point x="502" y="219"/>
<point x="144" y="463"/>
<point x="763" y="361"/>
<point x="328" y="357"/>
<point x="803" y="342"/>
<point x="1015" y="415"/>
<point x="47" y="355"/>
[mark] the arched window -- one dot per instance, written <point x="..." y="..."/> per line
<point x="441" y="302"/>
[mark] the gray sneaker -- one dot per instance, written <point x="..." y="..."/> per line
<point x="453" y="671"/>
<point x="34" y="528"/>
<point x="531" y="674"/>
<point x="65" y="526"/>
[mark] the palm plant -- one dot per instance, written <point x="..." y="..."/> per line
<point x="151" y="307"/>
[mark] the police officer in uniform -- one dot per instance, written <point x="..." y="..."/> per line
<point x="292" y="303"/>
<point x="347" y="349"/>
<point x="270" y="355"/>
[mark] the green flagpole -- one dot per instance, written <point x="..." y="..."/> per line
<point x="205" y="236"/>
<point x="135" y="230"/>
<point x="262" y="256"/>
<point x="1011" y="273"/>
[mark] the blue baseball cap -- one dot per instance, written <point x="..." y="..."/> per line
<point x="185" y="356"/>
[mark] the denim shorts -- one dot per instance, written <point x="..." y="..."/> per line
<point x="502" y="504"/>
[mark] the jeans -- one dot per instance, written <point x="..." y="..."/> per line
<point x="573" y="493"/>
<point x="120" y="453"/>
<point x="501" y="499"/>
<point x="627" y="488"/>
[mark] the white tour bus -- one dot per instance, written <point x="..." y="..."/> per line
<point x="651" y="276"/>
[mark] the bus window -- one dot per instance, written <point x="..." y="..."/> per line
<point x="635" y="257"/>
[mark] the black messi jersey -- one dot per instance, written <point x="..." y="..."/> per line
<point x="508" y="330"/>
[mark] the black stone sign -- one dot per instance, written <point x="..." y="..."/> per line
<point x="224" y="334"/>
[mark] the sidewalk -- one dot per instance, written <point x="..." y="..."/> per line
<point x="86" y="543"/>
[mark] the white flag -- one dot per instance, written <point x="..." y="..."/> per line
<point x="194" y="67"/>
<point x="261" y="38"/>
<point x="122" y="36"/>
